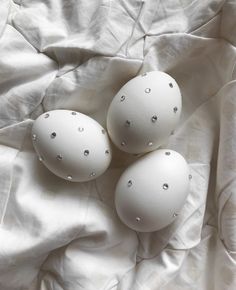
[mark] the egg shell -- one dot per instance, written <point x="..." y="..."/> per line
<point x="71" y="145"/>
<point x="144" y="112"/>
<point x="151" y="192"/>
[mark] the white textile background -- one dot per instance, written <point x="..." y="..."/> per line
<point x="57" y="235"/>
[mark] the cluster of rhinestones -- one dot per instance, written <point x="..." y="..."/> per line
<point x="153" y="119"/>
<point x="59" y="157"/>
<point x="165" y="186"/>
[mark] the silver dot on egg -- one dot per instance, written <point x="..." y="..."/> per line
<point x="171" y="85"/>
<point x="86" y="152"/>
<point x="69" y="177"/>
<point x="53" y="135"/>
<point x="122" y="98"/>
<point x="46" y="116"/>
<point x="154" y="119"/>
<point x="175" y="109"/>
<point x="190" y="177"/>
<point x="130" y="183"/>
<point x="172" y="133"/>
<point x="80" y="129"/>
<point x="144" y="74"/>
<point x="103" y="131"/>
<point x="175" y="214"/>
<point x="73" y="113"/>
<point x="167" y="153"/>
<point x="123" y="143"/>
<point x="59" y="157"/>
<point x="107" y="152"/>
<point x="138" y="219"/>
<point x="41" y="158"/>
<point x="165" y="186"/>
<point x="127" y="123"/>
<point x="147" y="90"/>
<point x="150" y="143"/>
<point x="34" y="137"/>
<point x="92" y="174"/>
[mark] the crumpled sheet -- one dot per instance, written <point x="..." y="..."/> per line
<point x="58" y="54"/>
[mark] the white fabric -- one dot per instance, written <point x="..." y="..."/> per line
<point x="56" y="235"/>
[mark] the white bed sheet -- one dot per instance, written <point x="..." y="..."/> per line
<point x="56" y="235"/>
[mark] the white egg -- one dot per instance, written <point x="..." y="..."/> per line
<point x="71" y="145"/>
<point x="144" y="112"/>
<point x="151" y="192"/>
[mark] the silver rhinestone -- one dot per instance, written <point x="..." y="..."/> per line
<point x="123" y="143"/>
<point x="122" y="98"/>
<point x="73" y="113"/>
<point x="130" y="183"/>
<point x="80" y="129"/>
<point x="138" y="219"/>
<point x="103" y="131"/>
<point x="46" y="116"/>
<point x="86" y="152"/>
<point x="59" y="157"/>
<point x="167" y="153"/>
<point x="175" y="109"/>
<point x="127" y="123"/>
<point x="154" y="118"/>
<point x="92" y="174"/>
<point x="147" y="90"/>
<point x="190" y="176"/>
<point x="69" y="177"/>
<point x="150" y="143"/>
<point x="53" y="135"/>
<point x="144" y="74"/>
<point x="171" y="85"/>
<point x="175" y="214"/>
<point x="41" y="158"/>
<point x="34" y="137"/>
<point x="107" y="151"/>
<point x="165" y="186"/>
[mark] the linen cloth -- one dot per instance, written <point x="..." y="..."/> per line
<point x="58" y="54"/>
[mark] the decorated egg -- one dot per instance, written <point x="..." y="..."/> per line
<point x="71" y="145"/>
<point x="151" y="192"/>
<point x="144" y="112"/>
